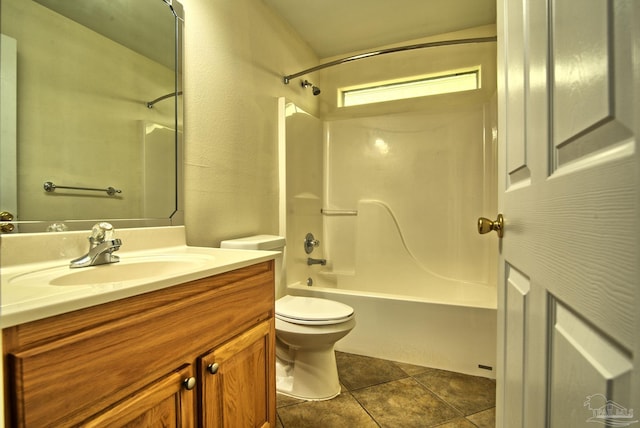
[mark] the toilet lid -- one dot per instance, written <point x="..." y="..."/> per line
<point x="312" y="310"/>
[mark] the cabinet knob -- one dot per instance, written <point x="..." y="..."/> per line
<point x="213" y="368"/>
<point x="189" y="383"/>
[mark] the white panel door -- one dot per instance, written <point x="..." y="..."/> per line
<point x="569" y="292"/>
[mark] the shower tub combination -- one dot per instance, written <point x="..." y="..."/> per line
<point x="404" y="311"/>
<point x="393" y="192"/>
<point x="411" y="263"/>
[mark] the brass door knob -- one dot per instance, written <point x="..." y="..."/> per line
<point x="6" y="227"/>
<point x="485" y="225"/>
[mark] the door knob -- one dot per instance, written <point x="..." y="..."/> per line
<point x="485" y="225"/>
<point x="6" y="227"/>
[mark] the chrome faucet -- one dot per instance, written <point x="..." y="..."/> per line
<point x="101" y="247"/>
<point x="321" y="262"/>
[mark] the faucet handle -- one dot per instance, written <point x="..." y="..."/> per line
<point x="310" y="242"/>
<point x="101" y="232"/>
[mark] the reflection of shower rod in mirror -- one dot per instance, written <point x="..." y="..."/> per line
<point x="164" y="97"/>
<point x="50" y="187"/>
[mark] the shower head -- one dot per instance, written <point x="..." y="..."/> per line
<point x="314" y="89"/>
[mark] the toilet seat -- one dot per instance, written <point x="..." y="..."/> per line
<point x="312" y="311"/>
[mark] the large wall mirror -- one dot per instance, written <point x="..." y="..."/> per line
<point x="91" y="113"/>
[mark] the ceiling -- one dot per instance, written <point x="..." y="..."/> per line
<point x="338" y="27"/>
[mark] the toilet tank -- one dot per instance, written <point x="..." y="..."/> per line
<point x="263" y="242"/>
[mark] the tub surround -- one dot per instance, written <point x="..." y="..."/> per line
<point x="404" y="252"/>
<point x="26" y="253"/>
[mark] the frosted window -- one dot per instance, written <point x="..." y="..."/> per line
<point x="434" y="85"/>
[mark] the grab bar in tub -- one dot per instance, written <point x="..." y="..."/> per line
<point x="325" y="211"/>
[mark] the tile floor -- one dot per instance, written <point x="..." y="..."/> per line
<point x="381" y="393"/>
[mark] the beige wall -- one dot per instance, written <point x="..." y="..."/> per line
<point x="236" y="52"/>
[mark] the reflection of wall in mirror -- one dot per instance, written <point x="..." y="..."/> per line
<point x="78" y="125"/>
<point x="8" y="177"/>
<point x="159" y="175"/>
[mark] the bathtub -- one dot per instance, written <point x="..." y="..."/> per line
<point x="450" y="327"/>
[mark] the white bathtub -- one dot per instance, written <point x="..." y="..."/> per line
<point x="450" y="328"/>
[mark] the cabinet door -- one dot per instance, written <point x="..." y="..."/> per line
<point x="169" y="402"/>
<point x="238" y="383"/>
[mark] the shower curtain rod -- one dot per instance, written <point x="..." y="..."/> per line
<point x="164" y="97"/>
<point x="287" y="79"/>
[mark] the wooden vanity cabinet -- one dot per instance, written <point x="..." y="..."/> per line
<point x="166" y="403"/>
<point x="235" y="377"/>
<point x="196" y="354"/>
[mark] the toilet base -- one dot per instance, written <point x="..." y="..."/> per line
<point x="311" y="374"/>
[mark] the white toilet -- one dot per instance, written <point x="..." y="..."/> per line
<point x="307" y="329"/>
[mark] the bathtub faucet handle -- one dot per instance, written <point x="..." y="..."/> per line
<point x="310" y="242"/>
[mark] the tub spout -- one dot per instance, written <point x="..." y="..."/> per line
<point x="321" y="262"/>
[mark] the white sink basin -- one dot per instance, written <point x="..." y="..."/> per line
<point x="128" y="269"/>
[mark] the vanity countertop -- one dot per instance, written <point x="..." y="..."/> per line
<point x="28" y="294"/>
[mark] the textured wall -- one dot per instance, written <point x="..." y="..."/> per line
<point x="235" y="54"/>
